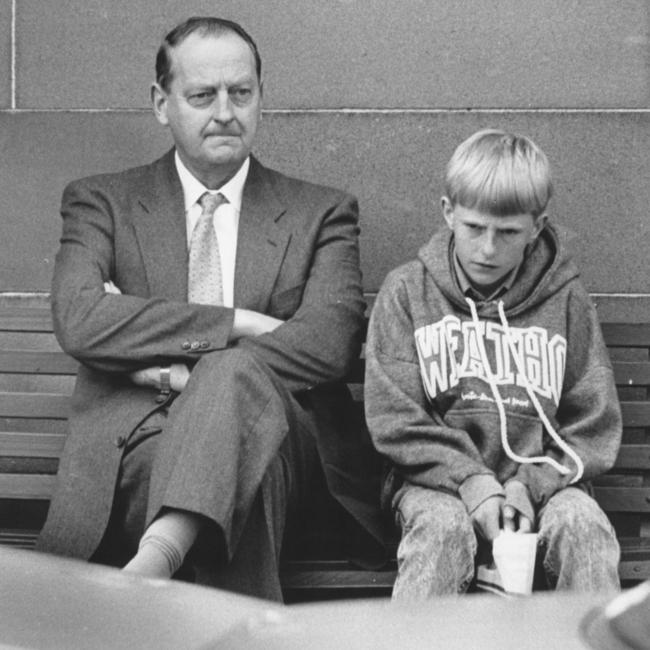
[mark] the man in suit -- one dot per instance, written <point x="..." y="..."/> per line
<point x="213" y="304"/>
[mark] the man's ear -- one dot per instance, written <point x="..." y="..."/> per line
<point x="159" y="103"/>
<point x="261" y="99"/>
<point x="447" y="211"/>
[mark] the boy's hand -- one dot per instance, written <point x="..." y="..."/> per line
<point x="515" y="521"/>
<point x="487" y="517"/>
<point x="518" y="511"/>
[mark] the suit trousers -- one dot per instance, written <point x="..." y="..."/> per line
<point x="234" y="447"/>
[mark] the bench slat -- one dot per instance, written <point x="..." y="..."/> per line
<point x="611" y="499"/>
<point x="296" y="580"/>
<point x="632" y="373"/>
<point x="31" y="445"/>
<point x="634" y="457"/>
<point x="42" y="363"/>
<point x="626" y="373"/>
<point x="623" y="499"/>
<point x="39" y="319"/>
<point x="626" y="334"/>
<point x="25" y="319"/>
<point x="635" y="565"/>
<point x="50" y="445"/>
<point x="34" y="405"/>
<point x="27" y="486"/>
<point x="636" y="414"/>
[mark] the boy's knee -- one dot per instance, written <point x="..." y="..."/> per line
<point x="574" y="511"/>
<point x="440" y="516"/>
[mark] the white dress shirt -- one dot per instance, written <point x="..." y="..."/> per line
<point x="226" y="218"/>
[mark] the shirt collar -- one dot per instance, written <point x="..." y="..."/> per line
<point x="470" y="291"/>
<point x="193" y="189"/>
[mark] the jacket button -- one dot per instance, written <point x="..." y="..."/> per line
<point x="120" y="441"/>
<point x="160" y="398"/>
<point x="204" y="344"/>
<point x="195" y="345"/>
<point x="186" y="345"/>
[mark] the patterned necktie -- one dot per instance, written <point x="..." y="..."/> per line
<point x="204" y="283"/>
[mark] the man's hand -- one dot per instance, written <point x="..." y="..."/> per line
<point x="487" y="517"/>
<point x="109" y="287"/>
<point x="245" y="323"/>
<point x="179" y="375"/>
<point x="252" y="323"/>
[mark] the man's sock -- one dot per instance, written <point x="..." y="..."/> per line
<point x="165" y="544"/>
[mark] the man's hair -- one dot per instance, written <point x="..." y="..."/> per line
<point x="499" y="173"/>
<point x="205" y="26"/>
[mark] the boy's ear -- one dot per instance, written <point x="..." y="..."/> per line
<point x="540" y="222"/>
<point x="447" y="211"/>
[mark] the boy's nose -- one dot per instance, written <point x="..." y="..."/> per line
<point x="488" y="244"/>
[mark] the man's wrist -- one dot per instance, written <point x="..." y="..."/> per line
<point x="165" y="380"/>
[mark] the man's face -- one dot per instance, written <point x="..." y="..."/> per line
<point x="213" y="104"/>
<point x="489" y="247"/>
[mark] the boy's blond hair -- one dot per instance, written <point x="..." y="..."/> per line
<point x="499" y="173"/>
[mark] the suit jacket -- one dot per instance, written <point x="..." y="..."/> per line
<point x="297" y="259"/>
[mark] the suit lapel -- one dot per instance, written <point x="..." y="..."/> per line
<point x="261" y="241"/>
<point x="159" y="221"/>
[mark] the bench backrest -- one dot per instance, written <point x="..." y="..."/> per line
<point x="36" y="380"/>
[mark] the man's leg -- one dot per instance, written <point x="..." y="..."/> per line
<point x="127" y="521"/>
<point x="254" y="567"/>
<point x="221" y="440"/>
<point x="580" y="548"/>
<point x="436" y="553"/>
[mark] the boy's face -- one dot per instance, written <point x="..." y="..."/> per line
<point x="489" y="247"/>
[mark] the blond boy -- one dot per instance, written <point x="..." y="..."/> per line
<point x="488" y="385"/>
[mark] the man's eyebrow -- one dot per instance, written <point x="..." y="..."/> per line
<point x="243" y="81"/>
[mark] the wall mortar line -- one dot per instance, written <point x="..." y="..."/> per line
<point x="355" y="111"/>
<point x="13" y="55"/>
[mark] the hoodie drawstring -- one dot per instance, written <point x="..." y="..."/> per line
<point x="540" y="411"/>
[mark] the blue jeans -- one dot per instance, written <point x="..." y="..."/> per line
<point x="438" y="547"/>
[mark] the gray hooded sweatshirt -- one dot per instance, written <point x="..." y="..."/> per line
<point x="463" y="396"/>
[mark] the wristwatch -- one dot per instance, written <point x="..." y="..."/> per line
<point x="165" y="380"/>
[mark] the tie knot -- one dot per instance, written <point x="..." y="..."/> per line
<point x="210" y="202"/>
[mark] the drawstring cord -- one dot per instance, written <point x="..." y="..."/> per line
<point x="540" y="411"/>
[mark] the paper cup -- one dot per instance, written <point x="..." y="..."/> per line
<point x="514" y="554"/>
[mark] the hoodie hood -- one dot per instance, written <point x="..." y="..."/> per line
<point x="546" y="268"/>
<point x="464" y="397"/>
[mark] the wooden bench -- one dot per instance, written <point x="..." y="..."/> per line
<point x="36" y="380"/>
